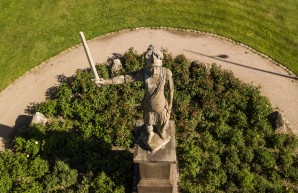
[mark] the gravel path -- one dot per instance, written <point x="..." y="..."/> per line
<point x="274" y="81"/>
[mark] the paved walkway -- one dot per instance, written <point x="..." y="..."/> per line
<point x="280" y="87"/>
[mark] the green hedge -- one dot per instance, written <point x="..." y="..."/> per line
<point x="224" y="140"/>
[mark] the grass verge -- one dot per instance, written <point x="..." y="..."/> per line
<point x="33" y="31"/>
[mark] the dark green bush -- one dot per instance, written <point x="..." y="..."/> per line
<point x="224" y="141"/>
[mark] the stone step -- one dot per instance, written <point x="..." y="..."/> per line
<point x="155" y="186"/>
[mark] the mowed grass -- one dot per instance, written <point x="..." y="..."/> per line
<point x="33" y="30"/>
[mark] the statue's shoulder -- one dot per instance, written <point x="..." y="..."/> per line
<point x="168" y="72"/>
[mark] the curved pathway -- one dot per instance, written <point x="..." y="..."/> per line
<point x="275" y="82"/>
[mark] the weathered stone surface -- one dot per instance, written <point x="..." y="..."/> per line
<point x="276" y="120"/>
<point x="155" y="150"/>
<point x="165" y="154"/>
<point x="158" y="83"/>
<point x="156" y="172"/>
<point x="157" y="178"/>
<point x="279" y="122"/>
<point x="156" y="143"/>
<point x="116" y="65"/>
<point x="39" y="118"/>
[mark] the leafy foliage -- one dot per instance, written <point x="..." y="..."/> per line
<point x="224" y="141"/>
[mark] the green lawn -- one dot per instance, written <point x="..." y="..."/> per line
<point x="33" y="30"/>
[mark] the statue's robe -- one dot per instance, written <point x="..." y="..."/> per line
<point x="154" y="104"/>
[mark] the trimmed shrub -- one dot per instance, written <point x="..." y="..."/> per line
<point x="224" y="140"/>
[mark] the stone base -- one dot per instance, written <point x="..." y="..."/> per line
<point x="161" y="186"/>
<point x="156" y="186"/>
<point x="157" y="143"/>
<point x="156" y="172"/>
<point x="157" y="178"/>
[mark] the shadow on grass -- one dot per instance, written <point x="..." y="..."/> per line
<point x="222" y="58"/>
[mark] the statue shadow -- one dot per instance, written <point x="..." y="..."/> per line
<point x="140" y="135"/>
<point x="86" y="155"/>
<point x="50" y="92"/>
<point x="8" y="132"/>
<point x="61" y="78"/>
<point x="83" y="154"/>
<point x="5" y="132"/>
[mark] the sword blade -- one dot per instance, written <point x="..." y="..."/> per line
<point x="90" y="59"/>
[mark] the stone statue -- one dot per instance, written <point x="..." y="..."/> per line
<point x="157" y="80"/>
<point x="156" y="172"/>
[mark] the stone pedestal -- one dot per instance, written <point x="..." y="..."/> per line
<point x="156" y="172"/>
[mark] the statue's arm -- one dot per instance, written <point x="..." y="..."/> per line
<point x="128" y="78"/>
<point x="115" y="80"/>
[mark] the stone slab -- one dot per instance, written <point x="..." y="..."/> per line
<point x="159" y="184"/>
<point x="166" y="154"/>
<point x="163" y="178"/>
<point x="158" y="143"/>
<point x="155" y="186"/>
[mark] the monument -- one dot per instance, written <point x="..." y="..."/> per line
<point x="155" y="150"/>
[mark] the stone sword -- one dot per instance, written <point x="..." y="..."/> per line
<point x="90" y="59"/>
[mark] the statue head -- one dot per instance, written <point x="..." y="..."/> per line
<point x="153" y="57"/>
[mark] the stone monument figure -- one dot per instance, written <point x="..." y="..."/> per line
<point x="153" y="172"/>
<point x="157" y="80"/>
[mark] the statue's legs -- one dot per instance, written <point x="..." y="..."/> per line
<point x="161" y="131"/>
<point x="150" y="133"/>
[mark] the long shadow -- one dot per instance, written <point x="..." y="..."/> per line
<point x="242" y="65"/>
<point x="23" y="121"/>
<point x="84" y="155"/>
<point x="7" y="132"/>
